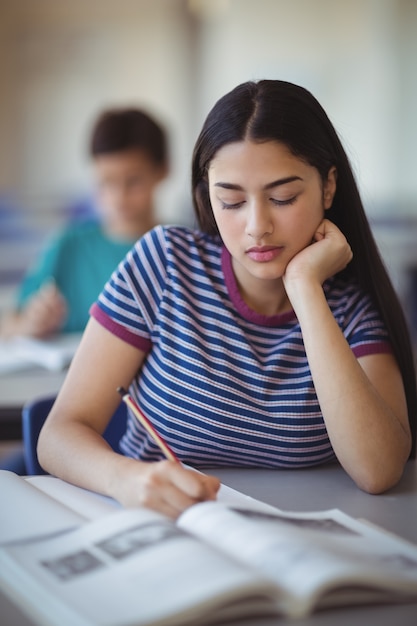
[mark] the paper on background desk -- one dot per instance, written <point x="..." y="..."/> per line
<point x="53" y="354"/>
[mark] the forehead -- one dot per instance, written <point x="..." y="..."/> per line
<point x="126" y="161"/>
<point x="248" y="158"/>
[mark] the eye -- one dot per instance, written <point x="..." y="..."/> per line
<point x="231" y="205"/>
<point x="286" y="202"/>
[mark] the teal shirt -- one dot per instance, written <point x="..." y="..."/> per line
<point x="80" y="260"/>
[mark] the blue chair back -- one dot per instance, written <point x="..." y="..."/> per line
<point x="35" y="412"/>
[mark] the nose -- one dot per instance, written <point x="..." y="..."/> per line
<point x="259" y="222"/>
<point x="119" y="196"/>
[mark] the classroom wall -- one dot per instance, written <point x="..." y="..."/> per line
<point x="357" y="57"/>
<point x="60" y="62"/>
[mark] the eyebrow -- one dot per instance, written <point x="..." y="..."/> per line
<point x="275" y="183"/>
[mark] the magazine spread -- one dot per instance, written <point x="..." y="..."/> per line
<point x="219" y="560"/>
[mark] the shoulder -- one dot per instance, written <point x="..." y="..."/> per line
<point x="78" y="233"/>
<point x="350" y="303"/>
<point x="67" y="241"/>
<point x="345" y="292"/>
<point x="84" y="229"/>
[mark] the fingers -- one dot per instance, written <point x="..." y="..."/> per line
<point x="170" y="488"/>
<point x="45" y="312"/>
<point x="338" y="251"/>
<point x="326" y="228"/>
<point x="320" y="232"/>
<point x="50" y="298"/>
<point x="328" y="254"/>
<point x="197" y="486"/>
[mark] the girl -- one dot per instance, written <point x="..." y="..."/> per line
<point x="270" y="337"/>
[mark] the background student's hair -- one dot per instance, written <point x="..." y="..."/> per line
<point x="273" y="110"/>
<point x="117" y="130"/>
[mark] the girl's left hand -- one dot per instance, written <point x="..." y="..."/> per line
<point x="328" y="254"/>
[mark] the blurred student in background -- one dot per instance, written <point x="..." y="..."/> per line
<point x="129" y="154"/>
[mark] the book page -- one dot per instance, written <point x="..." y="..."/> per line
<point x="93" y="505"/>
<point x="233" y="498"/>
<point x="71" y="579"/>
<point x="26" y="512"/>
<point x="87" y="503"/>
<point x="308" y="554"/>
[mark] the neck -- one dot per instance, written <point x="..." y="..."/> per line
<point x="266" y="297"/>
<point x="272" y="300"/>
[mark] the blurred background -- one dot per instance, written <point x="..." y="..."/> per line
<point x="62" y="62"/>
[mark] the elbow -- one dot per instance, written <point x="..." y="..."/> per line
<point x="376" y="481"/>
<point x="42" y="449"/>
<point x="378" y="470"/>
<point x="41" y="459"/>
<point x="376" y="487"/>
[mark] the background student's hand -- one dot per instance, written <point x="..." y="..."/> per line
<point x="165" y="486"/>
<point x="43" y="315"/>
<point x="328" y="254"/>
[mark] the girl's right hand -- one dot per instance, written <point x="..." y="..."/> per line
<point x="166" y="486"/>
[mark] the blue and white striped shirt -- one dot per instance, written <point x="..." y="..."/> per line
<point x="222" y="384"/>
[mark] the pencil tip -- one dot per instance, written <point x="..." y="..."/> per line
<point x="122" y="391"/>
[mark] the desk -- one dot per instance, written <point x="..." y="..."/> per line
<point x="317" y="489"/>
<point x="18" y="387"/>
<point x="328" y="486"/>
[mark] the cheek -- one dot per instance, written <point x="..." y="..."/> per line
<point x="140" y="194"/>
<point x="137" y="193"/>
<point x="217" y="214"/>
<point x="301" y="229"/>
<point x="228" y="224"/>
<point x="106" y="198"/>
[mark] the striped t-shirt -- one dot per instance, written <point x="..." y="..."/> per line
<point x="221" y="383"/>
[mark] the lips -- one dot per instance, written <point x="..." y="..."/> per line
<point x="263" y="254"/>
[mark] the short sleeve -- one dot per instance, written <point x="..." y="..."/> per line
<point x="129" y="302"/>
<point x="360" y="322"/>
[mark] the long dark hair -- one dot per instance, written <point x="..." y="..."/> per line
<point x="274" y="110"/>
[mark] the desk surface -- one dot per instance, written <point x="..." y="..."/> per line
<point x="18" y="387"/>
<point x="328" y="486"/>
<point x="309" y="490"/>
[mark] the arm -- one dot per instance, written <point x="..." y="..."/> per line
<point x="40" y="309"/>
<point x="362" y="400"/>
<point x="42" y="315"/>
<point x="71" y="446"/>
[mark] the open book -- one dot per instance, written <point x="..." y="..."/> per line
<point x="54" y="354"/>
<point x="230" y="559"/>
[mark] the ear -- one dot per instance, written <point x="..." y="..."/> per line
<point x="329" y="188"/>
